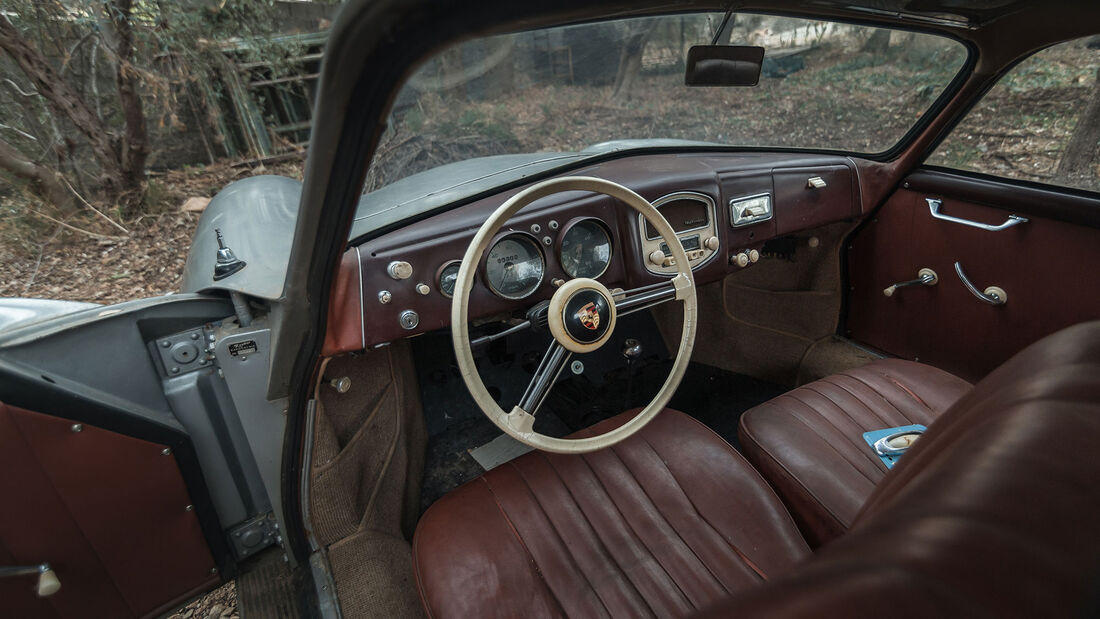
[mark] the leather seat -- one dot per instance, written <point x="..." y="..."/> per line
<point x="667" y="522"/>
<point x="992" y="513"/>
<point x="808" y="443"/>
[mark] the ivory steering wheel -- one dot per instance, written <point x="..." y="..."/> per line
<point x="581" y="318"/>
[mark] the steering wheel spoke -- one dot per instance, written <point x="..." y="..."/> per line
<point x="645" y="297"/>
<point x="553" y="362"/>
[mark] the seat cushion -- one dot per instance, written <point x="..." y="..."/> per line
<point x="809" y="444"/>
<point x="667" y="522"/>
<point x="992" y="514"/>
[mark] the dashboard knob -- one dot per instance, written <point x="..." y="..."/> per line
<point x="423" y="288"/>
<point x="741" y="259"/>
<point x="657" y="257"/>
<point x="712" y="243"/>
<point x="754" y="256"/>
<point x="399" y="269"/>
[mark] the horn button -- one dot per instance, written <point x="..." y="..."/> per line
<point x="582" y="315"/>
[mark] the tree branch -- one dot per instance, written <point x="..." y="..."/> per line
<point x="45" y="182"/>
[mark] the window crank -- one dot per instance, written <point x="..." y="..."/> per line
<point x="925" y="277"/>
<point x="48" y="583"/>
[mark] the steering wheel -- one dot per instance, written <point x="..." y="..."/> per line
<point x="581" y="318"/>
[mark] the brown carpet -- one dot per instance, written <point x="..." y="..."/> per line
<point x="368" y="458"/>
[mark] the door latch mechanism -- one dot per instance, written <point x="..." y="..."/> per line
<point x="48" y="583"/>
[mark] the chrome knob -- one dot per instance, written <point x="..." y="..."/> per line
<point x="741" y="259"/>
<point x="399" y="269"/>
<point x="711" y="243"/>
<point x="341" y="385"/>
<point x="384" y="296"/>
<point x="423" y="288"/>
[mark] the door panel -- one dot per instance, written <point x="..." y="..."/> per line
<point x="109" y="512"/>
<point x="1047" y="266"/>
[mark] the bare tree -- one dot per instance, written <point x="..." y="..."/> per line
<point x="630" y="58"/>
<point x="1082" y="149"/>
<point x="120" y="156"/>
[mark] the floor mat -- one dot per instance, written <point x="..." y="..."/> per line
<point x="607" y="386"/>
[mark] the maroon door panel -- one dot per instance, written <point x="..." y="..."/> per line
<point x="1047" y="267"/>
<point x="107" y="511"/>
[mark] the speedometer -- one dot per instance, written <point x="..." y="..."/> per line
<point x="514" y="267"/>
<point x="585" y="249"/>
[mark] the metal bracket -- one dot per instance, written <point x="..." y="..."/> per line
<point x="254" y="535"/>
<point x="934" y="207"/>
<point x="184" y="352"/>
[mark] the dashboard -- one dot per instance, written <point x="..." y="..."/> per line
<point x="723" y="207"/>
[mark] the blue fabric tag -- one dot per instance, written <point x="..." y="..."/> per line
<point x="875" y="435"/>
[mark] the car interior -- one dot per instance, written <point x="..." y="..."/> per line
<point x="667" y="379"/>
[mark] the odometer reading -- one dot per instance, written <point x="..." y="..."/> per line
<point x="514" y="267"/>
<point x="585" y="249"/>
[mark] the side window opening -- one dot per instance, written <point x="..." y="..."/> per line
<point x="1040" y="122"/>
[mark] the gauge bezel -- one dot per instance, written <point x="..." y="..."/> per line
<point x="485" y="264"/>
<point x="569" y="226"/>
<point x="439" y="276"/>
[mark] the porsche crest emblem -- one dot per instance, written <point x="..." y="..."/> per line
<point x="589" y="316"/>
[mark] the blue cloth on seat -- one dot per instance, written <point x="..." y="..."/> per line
<point x="874" y="435"/>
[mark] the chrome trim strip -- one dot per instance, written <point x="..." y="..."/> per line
<point x="755" y="220"/>
<point x="362" y="302"/>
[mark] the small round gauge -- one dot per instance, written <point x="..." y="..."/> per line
<point x="447" y="277"/>
<point x="585" y="249"/>
<point x="514" y="267"/>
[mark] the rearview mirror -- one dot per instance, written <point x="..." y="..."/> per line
<point x="723" y="65"/>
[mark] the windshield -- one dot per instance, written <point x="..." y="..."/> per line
<point x="561" y="90"/>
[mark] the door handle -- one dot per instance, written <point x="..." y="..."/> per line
<point x="934" y="207"/>
<point x="993" y="295"/>
<point x="48" y="583"/>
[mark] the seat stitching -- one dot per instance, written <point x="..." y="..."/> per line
<point x="561" y="538"/>
<point x="881" y="395"/>
<point x="860" y="447"/>
<point x="614" y="451"/>
<point x="863" y="402"/>
<point x="741" y="555"/>
<point x="587" y="521"/>
<point x="519" y="538"/>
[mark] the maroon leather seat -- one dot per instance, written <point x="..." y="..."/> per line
<point x="808" y="443"/>
<point x="993" y="513"/>
<point x="669" y="521"/>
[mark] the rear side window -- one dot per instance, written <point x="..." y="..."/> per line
<point x="1041" y="122"/>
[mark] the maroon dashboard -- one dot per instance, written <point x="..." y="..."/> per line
<point x="394" y="286"/>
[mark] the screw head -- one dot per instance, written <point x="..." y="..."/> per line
<point x="194" y="336"/>
<point x="213" y="570"/>
<point x="189" y="508"/>
<point x="167" y="451"/>
<point x="76" y="427"/>
<point x="175" y="370"/>
<point x="165" y="344"/>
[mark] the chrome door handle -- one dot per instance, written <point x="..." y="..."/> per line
<point x="993" y="295"/>
<point x="934" y="207"/>
<point x="47" y="584"/>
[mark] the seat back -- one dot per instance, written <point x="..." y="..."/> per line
<point x="994" y="512"/>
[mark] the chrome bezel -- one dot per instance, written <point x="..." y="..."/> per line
<point x="734" y="223"/>
<point x="568" y="227"/>
<point x="522" y="237"/>
<point x="439" y="276"/>
<point x="681" y="195"/>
